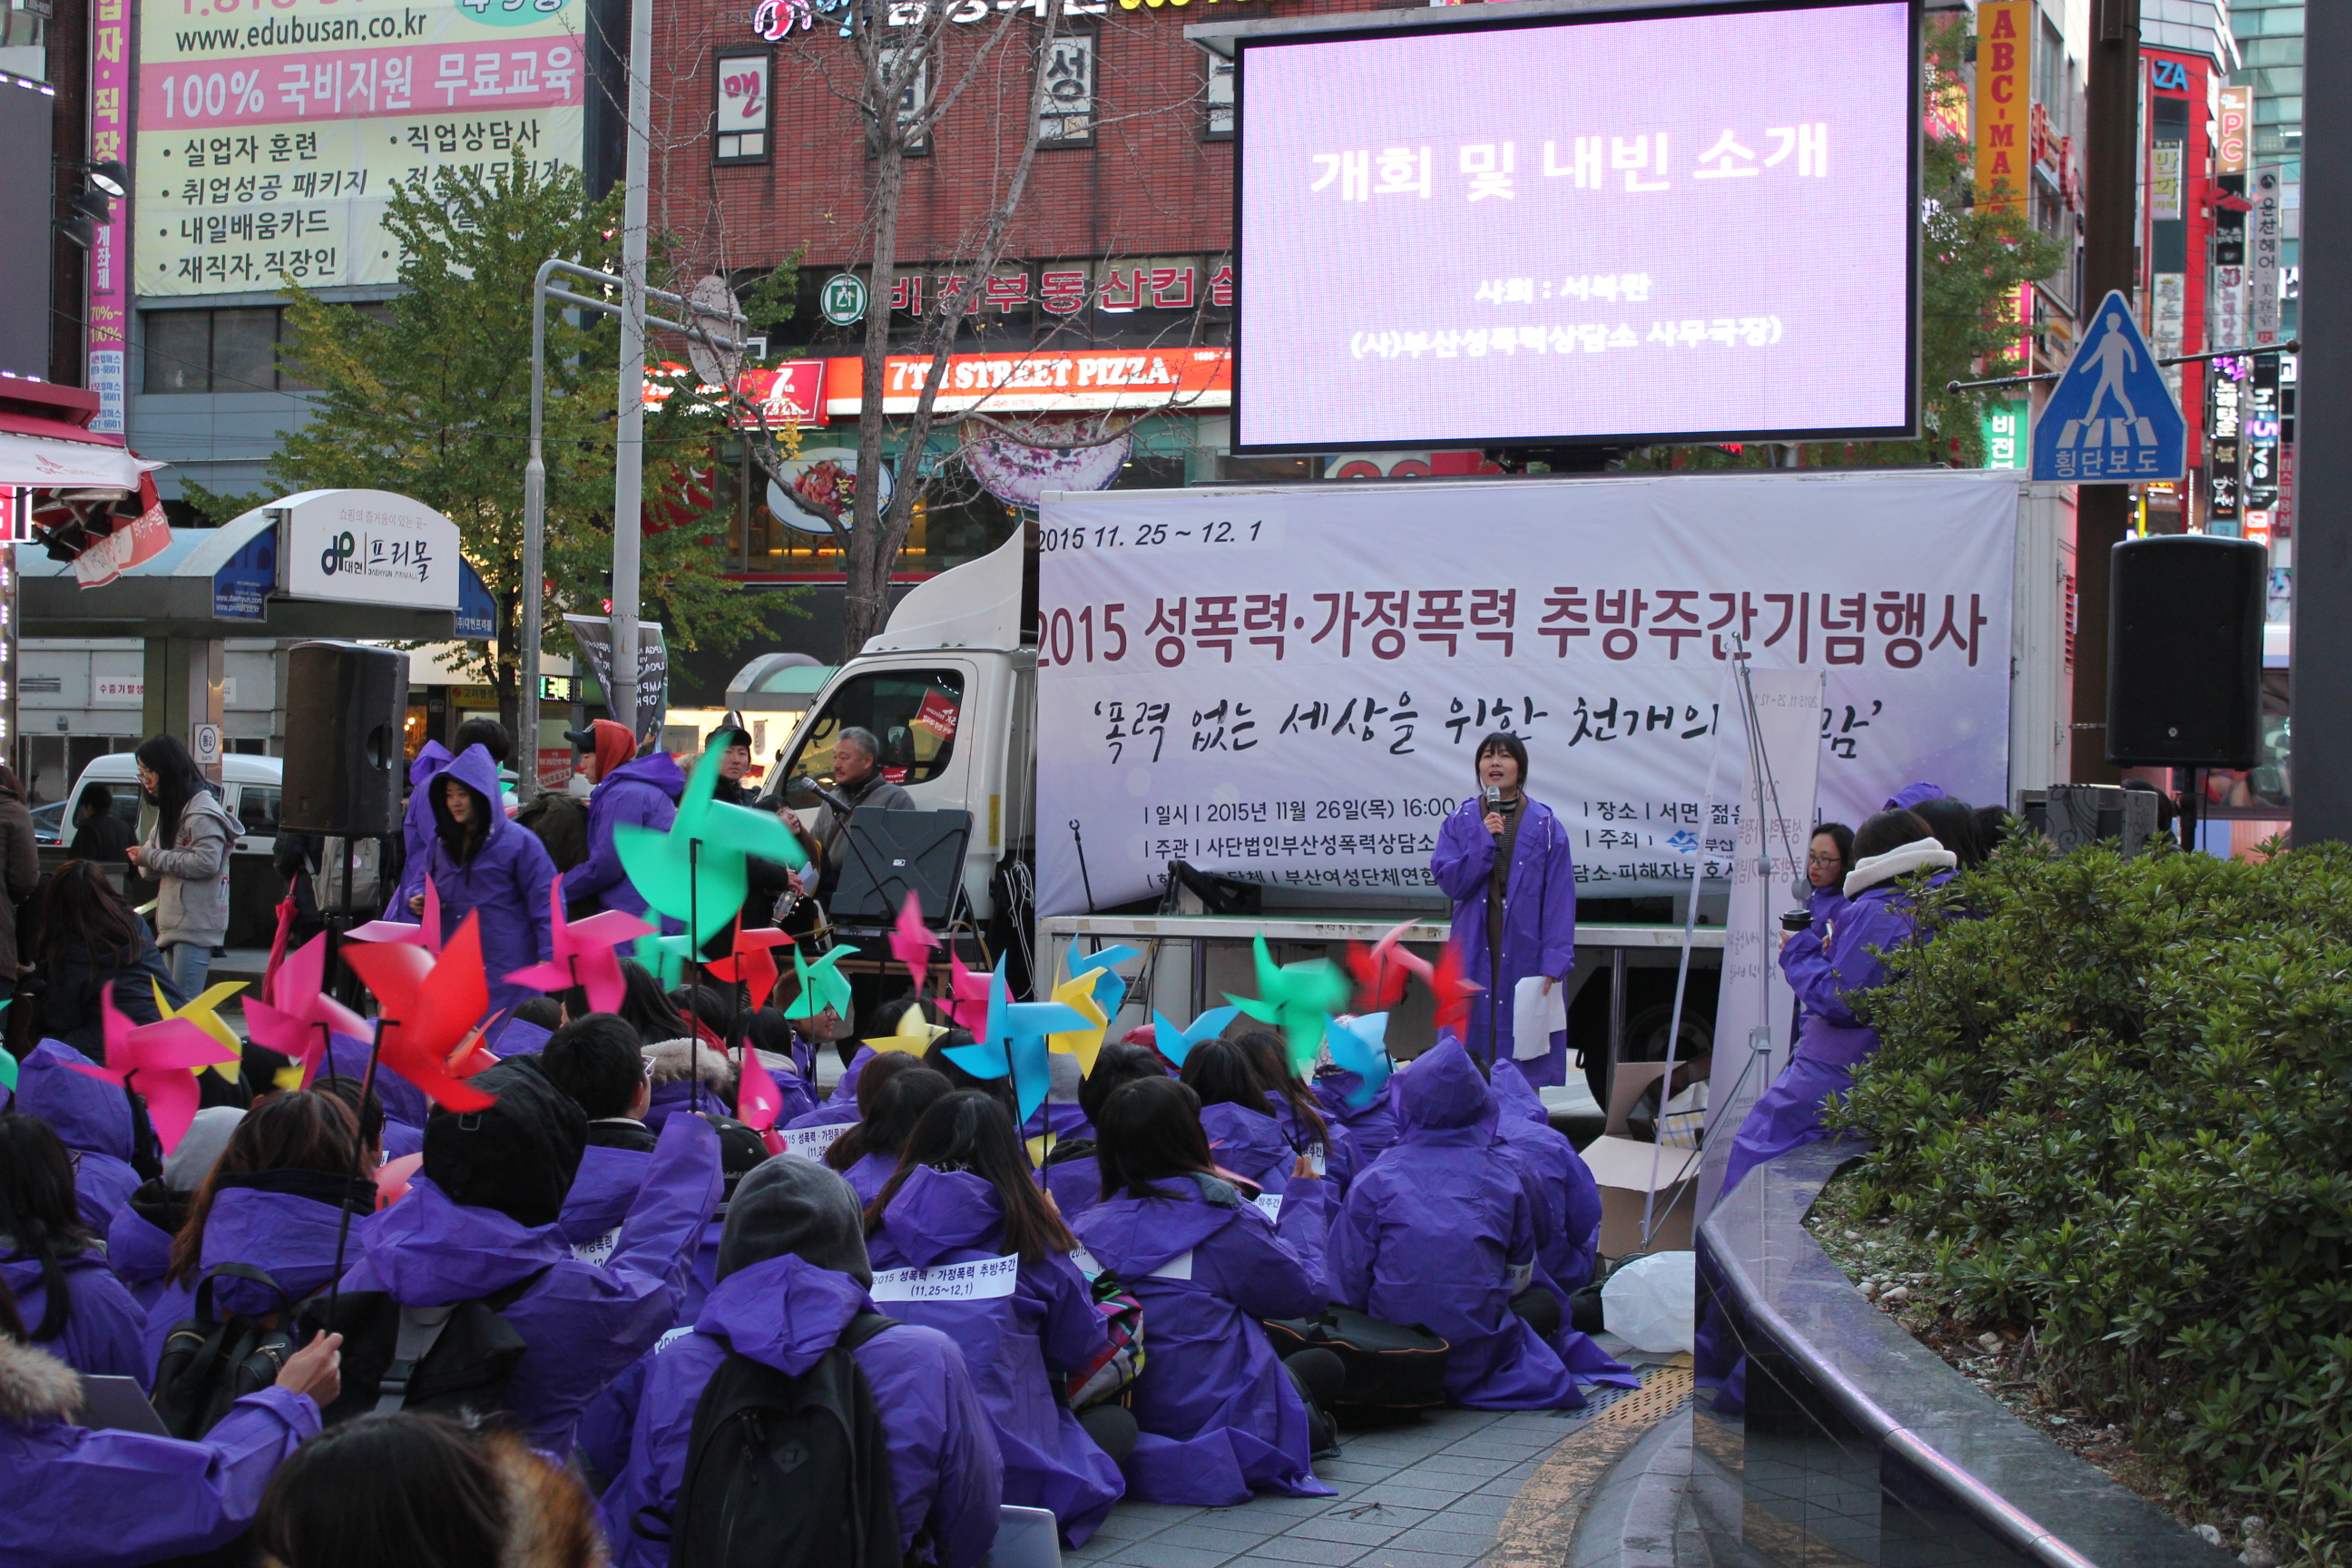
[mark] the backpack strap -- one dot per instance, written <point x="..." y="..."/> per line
<point x="420" y="1330"/>
<point x="863" y="1327"/>
<point x="236" y="1271"/>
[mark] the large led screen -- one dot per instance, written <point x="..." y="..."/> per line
<point x="1677" y="226"/>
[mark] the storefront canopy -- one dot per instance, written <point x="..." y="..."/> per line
<point x="45" y="442"/>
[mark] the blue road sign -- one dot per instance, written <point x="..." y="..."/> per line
<point x="2112" y="418"/>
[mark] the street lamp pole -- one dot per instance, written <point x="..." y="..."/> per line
<point x="629" y="438"/>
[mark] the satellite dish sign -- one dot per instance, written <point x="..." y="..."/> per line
<point x="2112" y="418"/>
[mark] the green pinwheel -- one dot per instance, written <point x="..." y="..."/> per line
<point x="1296" y="998"/>
<point x="695" y="872"/>
<point x="823" y="985"/>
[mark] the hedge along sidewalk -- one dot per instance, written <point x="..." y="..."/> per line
<point x="2115" y="1105"/>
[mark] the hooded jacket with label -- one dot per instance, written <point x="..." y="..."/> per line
<point x="506" y="882"/>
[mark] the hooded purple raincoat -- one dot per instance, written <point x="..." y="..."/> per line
<point x="1011" y="1344"/>
<point x="785" y="1313"/>
<point x="1539" y="920"/>
<point x="92" y="1118"/>
<point x="416" y="822"/>
<point x="644" y="793"/>
<point x="1435" y="1234"/>
<point x="84" y="1498"/>
<point x="284" y="1222"/>
<point x="1372" y="1126"/>
<point x="607" y="1183"/>
<point x="1251" y="1145"/>
<point x="1219" y="1416"/>
<point x="102" y="1331"/>
<point x="1075" y="1183"/>
<point x="1568" y="1200"/>
<point x="839" y="1108"/>
<point x="506" y="882"/>
<point x="584" y="1323"/>
<point x="137" y="1248"/>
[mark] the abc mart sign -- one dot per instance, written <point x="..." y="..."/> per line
<point x="366" y="547"/>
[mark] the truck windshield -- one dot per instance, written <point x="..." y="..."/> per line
<point x="912" y="712"/>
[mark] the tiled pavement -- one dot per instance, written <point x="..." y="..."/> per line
<point x="1431" y="1494"/>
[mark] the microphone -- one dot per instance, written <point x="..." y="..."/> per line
<point x="840" y="807"/>
<point x="1493" y="798"/>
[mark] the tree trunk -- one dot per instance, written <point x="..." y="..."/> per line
<point x="866" y="603"/>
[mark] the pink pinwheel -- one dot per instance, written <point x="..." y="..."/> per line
<point x="911" y="941"/>
<point x="159" y="1060"/>
<point x="966" y="1002"/>
<point x="431" y="1010"/>
<point x="753" y="961"/>
<point x="304" y="1014"/>
<point x="584" y="953"/>
<point x="758" y="1100"/>
<point x="426" y="935"/>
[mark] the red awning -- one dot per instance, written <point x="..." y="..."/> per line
<point x="45" y="441"/>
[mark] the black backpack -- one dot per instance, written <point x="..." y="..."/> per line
<point x="209" y="1363"/>
<point x="454" y="1361"/>
<point x="787" y="1472"/>
<point x="1391" y="1366"/>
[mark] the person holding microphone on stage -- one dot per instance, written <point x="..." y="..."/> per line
<point x="1502" y="858"/>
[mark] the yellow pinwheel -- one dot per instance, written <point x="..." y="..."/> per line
<point x="915" y="1034"/>
<point x="1078" y="993"/>
<point x="202" y="1014"/>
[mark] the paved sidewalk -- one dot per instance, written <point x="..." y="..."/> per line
<point x="1453" y="1489"/>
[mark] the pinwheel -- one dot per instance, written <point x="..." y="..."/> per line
<point x="966" y="1002"/>
<point x="425" y="933"/>
<point x="695" y="871"/>
<point x="431" y="1010"/>
<point x="586" y="952"/>
<point x="1297" y="998"/>
<point x="1381" y="970"/>
<point x="915" y="1033"/>
<point x="160" y="1060"/>
<point x="1013" y="1042"/>
<point x="753" y="961"/>
<point x="7" y="1059"/>
<point x="1176" y="1044"/>
<point x="911" y="940"/>
<point x="758" y="1100"/>
<point x="1078" y="993"/>
<point x="1453" y="990"/>
<point x="1110" y="989"/>
<point x="1361" y="1045"/>
<point x="298" y="1026"/>
<point x="824" y="988"/>
<point x="201" y="1013"/>
<point x="663" y="957"/>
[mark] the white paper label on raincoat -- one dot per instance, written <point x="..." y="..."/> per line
<point x="1521" y="1273"/>
<point x="1270" y="1203"/>
<point x="810" y="1142"/>
<point x="1535" y="1016"/>
<point x="598" y="1249"/>
<point x="1177" y="1268"/>
<point x="985" y="1280"/>
<point x="1086" y="1262"/>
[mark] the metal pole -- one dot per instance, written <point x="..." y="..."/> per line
<point x="2320" y="669"/>
<point x="629" y="439"/>
<point x="534" y="550"/>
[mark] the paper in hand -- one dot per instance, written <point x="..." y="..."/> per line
<point x="1535" y="1016"/>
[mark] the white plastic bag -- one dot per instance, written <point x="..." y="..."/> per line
<point x="1649" y="1302"/>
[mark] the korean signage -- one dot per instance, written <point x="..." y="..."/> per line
<point x="2236" y="125"/>
<point x="1178" y="380"/>
<point x="2262" y="448"/>
<point x="368" y="547"/>
<point x="2266" y="225"/>
<point x="1289" y="686"/>
<point x="2223" y="444"/>
<point x="741" y="112"/>
<point x="109" y="287"/>
<point x="2003" y="98"/>
<point x="1117" y="287"/>
<point x="2005" y="435"/>
<point x="788" y="393"/>
<point x="268" y="140"/>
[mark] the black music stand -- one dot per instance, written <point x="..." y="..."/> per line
<point x="893" y="853"/>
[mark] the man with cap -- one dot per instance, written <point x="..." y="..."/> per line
<point x="641" y="791"/>
<point x="481" y="1217"/>
<point x="792" y="1273"/>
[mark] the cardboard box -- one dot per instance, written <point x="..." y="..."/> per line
<point x="1623" y="1169"/>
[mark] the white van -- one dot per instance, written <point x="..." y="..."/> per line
<point x="250" y="788"/>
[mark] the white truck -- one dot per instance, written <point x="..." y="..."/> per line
<point x="951" y="687"/>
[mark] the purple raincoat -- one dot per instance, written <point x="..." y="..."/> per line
<point x="404" y="1102"/>
<point x="608" y="1181"/>
<point x="1219" y="1416"/>
<point x="416" y="823"/>
<point x="92" y="1118"/>
<point x="1251" y="1145"/>
<point x="584" y="1323"/>
<point x="786" y="1312"/>
<point x="1371" y="1127"/>
<point x="868" y="1177"/>
<point x="1434" y="1233"/>
<point x="1538" y="918"/>
<point x="1341" y="1159"/>
<point x="506" y="882"/>
<point x="101" y="1333"/>
<point x="137" y="1248"/>
<point x="678" y="1094"/>
<point x="840" y="1107"/>
<point x="1877" y="920"/>
<point x="284" y="1222"/>
<point x="1076" y="1186"/>
<point x="80" y="1498"/>
<point x="643" y="792"/>
<point x="1011" y="1344"/>
<point x="1568" y="1200"/>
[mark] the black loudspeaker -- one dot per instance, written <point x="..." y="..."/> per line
<point x="2185" y="651"/>
<point x="344" y="707"/>
<point x="892" y="853"/>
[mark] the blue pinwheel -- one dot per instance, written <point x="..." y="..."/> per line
<point x="1176" y="1044"/>
<point x="1013" y="1042"/>
<point x="1361" y="1045"/>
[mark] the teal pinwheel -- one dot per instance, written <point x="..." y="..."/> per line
<point x="1176" y="1044"/>
<point x="1013" y="1042"/>
<point x="695" y="871"/>
<point x="1361" y="1045"/>
<point x="1296" y="998"/>
<point x="822" y="985"/>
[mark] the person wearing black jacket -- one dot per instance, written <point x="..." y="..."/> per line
<point x="90" y="939"/>
<point x="767" y="878"/>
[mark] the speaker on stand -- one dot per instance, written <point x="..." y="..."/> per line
<point x="2185" y="656"/>
<point x="345" y="707"/>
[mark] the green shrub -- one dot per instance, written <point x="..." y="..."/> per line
<point x="2115" y="1096"/>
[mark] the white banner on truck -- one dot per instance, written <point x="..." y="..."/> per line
<point x="1288" y="686"/>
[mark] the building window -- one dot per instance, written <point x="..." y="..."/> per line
<point x="1219" y="97"/>
<point x="915" y="98"/>
<point x="743" y="111"/>
<point x="218" y="351"/>
<point x="1066" y="117"/>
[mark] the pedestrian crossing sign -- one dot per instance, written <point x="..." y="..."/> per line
<point x="2112" y="420"/>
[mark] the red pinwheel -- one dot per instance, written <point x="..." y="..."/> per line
<point x="1382" y="969"/>
<point x="1453" y="990"/>
<point x="753" y="963"/>
<point x="911" y="941"/>
<point x="304" y="1014"/>
<point x="584" y="954"/>
<point x="159" y="1060"/>
<point x="431" y="1007"/>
